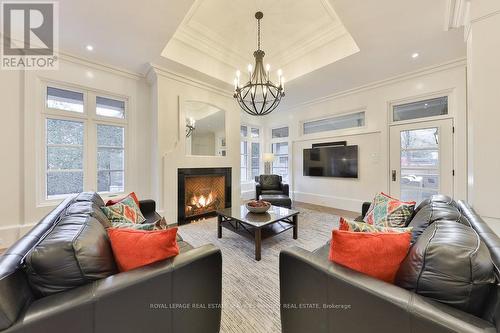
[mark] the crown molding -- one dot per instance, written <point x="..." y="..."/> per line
<point x="458" y="15"/>
<point x="169" y="74"/>
<point x="65" y="56"/>
<point x="461" y="62"/>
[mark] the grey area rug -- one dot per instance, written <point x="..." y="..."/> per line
<point x="250" y="289"/>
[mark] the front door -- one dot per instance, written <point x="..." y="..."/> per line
<point x="421" y="160"/>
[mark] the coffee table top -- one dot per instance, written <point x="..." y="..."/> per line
<point x="241" y="213"/>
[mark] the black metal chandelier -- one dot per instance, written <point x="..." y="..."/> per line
<point x="259" y="96"/>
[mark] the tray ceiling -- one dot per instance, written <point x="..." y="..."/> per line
<point x="219" y="36"/>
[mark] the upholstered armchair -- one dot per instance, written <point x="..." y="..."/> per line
<point x="270" y="185"/>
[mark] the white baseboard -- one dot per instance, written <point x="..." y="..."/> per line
<point x="493" y="222"/>
<point x="350" y="204"/>
<point x="11" y="233"/>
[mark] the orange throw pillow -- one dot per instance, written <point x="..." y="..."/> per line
<point x="135" y="248"/>
<point x="115" y="201"/>
<point x="375" y="254"/>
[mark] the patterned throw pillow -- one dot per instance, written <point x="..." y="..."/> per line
<point x="125" y="211"/>
<point x="354" y="226"/>
<point x="389" y="212"/>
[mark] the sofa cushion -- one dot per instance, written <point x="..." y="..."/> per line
<point x="88" y="208"/>
<point x="137" y="248"/>
<point x="387" y="211"/>
<point x="270" y="182"/>
<point x="90" y="196"/>
<point x="124" y="211"/>
<point x="450" y="264"/>
<point x="356" y="226"/>
<point x="75" y="252"/>
<point x="431" y="212"/>
<point x="375" y="254"/>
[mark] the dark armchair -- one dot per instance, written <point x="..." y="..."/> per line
<point x="270" y="185"/>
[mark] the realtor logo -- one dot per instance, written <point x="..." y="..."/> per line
<point x="29" y="35"/>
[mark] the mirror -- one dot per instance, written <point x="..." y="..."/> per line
<point x="205" y="129"/>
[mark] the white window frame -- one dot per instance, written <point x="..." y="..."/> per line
<point x="332" y="116"/>
<point x="249" y="140"/>
<point x="281" y="140"/>
<point x="90" y="120"/>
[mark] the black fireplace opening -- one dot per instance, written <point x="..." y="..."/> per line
<point x="201" y="192"/>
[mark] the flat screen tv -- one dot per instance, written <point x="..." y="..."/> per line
<point x="335" y="161"/>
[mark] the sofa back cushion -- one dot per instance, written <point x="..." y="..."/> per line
<point x="75" y="252"/>
<point x="449" y="263"/>
<point x="270" y="182"/>
<point x="89" y="208"/>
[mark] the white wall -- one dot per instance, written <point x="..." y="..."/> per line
<point x="169" y="91"/>
<point x="483" y="65"/>
<point x="373" y="139"/>
<point x="22" y="102"/>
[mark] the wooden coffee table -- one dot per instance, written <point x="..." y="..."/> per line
<point x="257" y="226"/>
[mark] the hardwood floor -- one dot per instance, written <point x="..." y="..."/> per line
<point x="323" y="209"/>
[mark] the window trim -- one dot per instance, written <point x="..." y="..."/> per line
<point x="418" y="98"/>
<point x="331" y="116"/>
<point x="90" y="121"/>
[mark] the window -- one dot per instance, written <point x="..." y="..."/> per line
<point x="64" y="100"/>
<point x="110" y="158"/>
<point x="335" y="123"/>
<point x="250" y="152"/>
<point x="281" y="132"/>
<point x="244" y="160"/>
<point x="64" y="170"/>
<point x="255" y="160"/>
<point x="76" y="140"/>
<point x="279" y="147"/>
<point x="421" y="109"/>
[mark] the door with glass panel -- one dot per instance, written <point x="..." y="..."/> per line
<point x="421" y="159"/>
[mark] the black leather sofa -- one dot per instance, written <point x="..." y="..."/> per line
<point x="180" y="294"/>
<point x="318" y="295"/>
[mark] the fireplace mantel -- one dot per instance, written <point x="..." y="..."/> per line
<point x="185" y="173"/>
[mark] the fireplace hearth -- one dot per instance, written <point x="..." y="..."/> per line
<point x="202" y="191"/>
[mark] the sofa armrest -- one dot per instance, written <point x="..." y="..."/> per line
<point x="147" y="206"/>
<point x="286" y="189"/>
<point x="258" y="191"/>
<point x="320" y="296"/>
<point x="180" y="294"/>
<point x="364" y="208"/>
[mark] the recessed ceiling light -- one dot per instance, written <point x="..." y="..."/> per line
<point x="89" y="48"/>
<point x="415" y="55"/>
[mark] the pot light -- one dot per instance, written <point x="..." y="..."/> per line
<point x="415" y="55"/>
<point x="89" y="48"/>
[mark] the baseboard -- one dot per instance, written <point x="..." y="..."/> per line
<point x="11" y="233"/>
<point x="350" y="204"/>
<point x="493" y="222"/>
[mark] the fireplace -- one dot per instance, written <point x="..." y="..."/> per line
<point x="202" y="191"/>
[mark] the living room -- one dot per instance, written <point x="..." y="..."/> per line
<point x="232" y="166"/>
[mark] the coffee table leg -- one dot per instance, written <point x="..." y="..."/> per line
<point x="295" y="226"/>
<point x="258" y="242"/>
<point x="219" y="226"/>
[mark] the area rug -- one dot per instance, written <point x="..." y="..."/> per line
<point x="250" y="289"/>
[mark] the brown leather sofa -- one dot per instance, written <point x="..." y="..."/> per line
<point x="318" y="295"/>
<point x="180" y="294"/>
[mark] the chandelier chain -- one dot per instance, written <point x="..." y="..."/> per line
<point x="258" y="34"/>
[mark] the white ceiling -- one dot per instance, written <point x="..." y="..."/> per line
<point x="132" y="34"/>
<point x="297" y="37"/>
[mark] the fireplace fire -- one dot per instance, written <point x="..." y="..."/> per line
<point x="204" y="195"/>
<point x="201" y="192"/>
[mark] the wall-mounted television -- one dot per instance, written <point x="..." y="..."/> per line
<point x="334" y="161"/>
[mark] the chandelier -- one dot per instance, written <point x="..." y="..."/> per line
<point x="259" y="96"/>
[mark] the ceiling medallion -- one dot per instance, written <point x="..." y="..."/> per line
<point x="259" y="96"/>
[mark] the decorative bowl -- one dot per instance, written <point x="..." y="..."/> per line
<point x="258" y="206"/>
